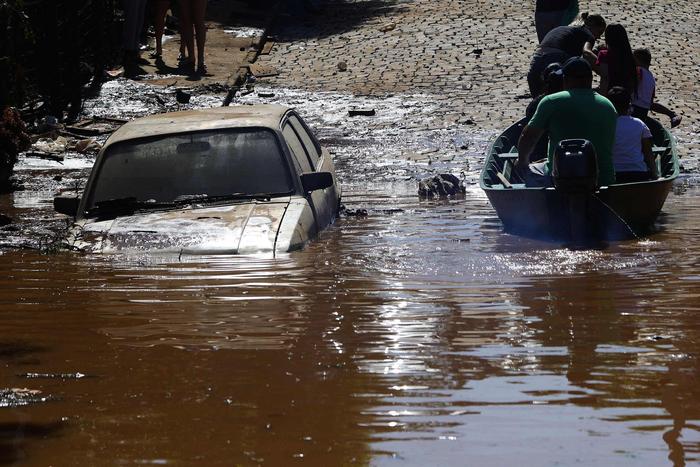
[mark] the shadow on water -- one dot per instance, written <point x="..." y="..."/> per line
<point x="15" y="437"/>
<point x="17" y="350"/>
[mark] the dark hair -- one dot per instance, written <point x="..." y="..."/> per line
<point x="553" y="78"/>
<point x="622" y="69"/>
<point x="593" y="20"/>
<point x="620" y="98"/>
<point x="643" y="56"/>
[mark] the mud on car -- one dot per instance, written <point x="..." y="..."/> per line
<point x="229" y="180"/>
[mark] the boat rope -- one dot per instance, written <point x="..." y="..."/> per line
<point x="617" y="215"/>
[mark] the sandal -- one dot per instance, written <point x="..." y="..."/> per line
<point x="202" y="70"/>
<point x="675" y="120"/>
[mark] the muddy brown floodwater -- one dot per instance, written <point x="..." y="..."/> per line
<point x="420" y="334"/>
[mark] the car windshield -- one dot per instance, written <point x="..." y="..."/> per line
<point x="198" y="165"/>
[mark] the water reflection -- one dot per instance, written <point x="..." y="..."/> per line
<point x="419" y="325"/>
<point x="420" y="332"/>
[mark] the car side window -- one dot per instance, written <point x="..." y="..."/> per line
<point x="306" y="139"/>
<point x="294" y="143"/>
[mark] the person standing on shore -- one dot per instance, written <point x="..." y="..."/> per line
<point x="550" y="14"/>
<point x="134" y="12"/>
<point x="192" y="13"/>
<point x="160" y="10"/>
<point x="562" y="43"/>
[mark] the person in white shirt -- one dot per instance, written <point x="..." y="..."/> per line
<point x="632" y="155"/>
<point x="643" y="100"/>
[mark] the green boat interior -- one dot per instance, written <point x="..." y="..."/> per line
<point x="499" y="173"/>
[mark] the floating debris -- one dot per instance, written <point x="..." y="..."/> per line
<point x="53" y="375"/>
<point x="362" y="112"/>
<point x="17" y="397"/>
<point x="441" y="186"/>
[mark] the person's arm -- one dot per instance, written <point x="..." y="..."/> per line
<point x="588" y="53"/>
<point x="604" y="75"/>
<point x="649" y="158"/>
<point x="526" y="144"/>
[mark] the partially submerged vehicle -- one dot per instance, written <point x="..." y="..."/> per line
<point x="612" y="212"/>
<point x="229" y="180"/>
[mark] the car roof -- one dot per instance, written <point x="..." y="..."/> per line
<point x="240" y="116"/>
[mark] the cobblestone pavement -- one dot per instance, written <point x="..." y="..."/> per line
<point x="470" y="57"/>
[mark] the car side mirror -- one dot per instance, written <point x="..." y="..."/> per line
<point x="67" y="205"/>
<point x="312" y="181"/>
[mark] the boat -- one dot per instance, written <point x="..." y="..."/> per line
<point x="615" y="212"/>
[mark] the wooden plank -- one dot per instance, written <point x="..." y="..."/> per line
<point x="507" y="169"/>
<point x="503" y="180"/>
<point x="508" y="155"/>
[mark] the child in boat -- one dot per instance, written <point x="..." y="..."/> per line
<point x="632" y="155"/>
<point x="646" y="90"/>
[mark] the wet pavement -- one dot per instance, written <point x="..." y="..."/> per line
<point x="419" y="334"/>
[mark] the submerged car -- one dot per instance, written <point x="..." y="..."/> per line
<point x="229" y="180"/>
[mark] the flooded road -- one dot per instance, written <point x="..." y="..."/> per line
<point x="419" y="334"/>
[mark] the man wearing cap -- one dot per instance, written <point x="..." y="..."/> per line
<point x="578" y="112"/>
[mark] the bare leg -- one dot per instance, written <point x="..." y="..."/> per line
<point x="662" y="109"/>
<point x="186" y="34"/>
<point x="159" y="12"/>
<point x="199" y="9"/>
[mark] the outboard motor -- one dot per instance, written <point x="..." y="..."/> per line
<point x="575" y="174"/>
<point x="575" y="166"/>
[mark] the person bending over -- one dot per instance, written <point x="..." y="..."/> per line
<point x="562" y="43"/>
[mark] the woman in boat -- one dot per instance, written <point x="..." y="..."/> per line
<point x="632" y="155"/>
<point x="615" y="64"/>
<point x="562" y="43"/>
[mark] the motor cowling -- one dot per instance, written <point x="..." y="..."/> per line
<point x="575" y="166"/>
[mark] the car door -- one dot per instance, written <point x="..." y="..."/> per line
<point x="309" y="157"/>
<point x="320" y="159"/>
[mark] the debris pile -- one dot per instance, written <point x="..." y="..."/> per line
<point x="441" y="186"/>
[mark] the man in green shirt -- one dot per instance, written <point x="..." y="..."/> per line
<point x="578" y="112"/>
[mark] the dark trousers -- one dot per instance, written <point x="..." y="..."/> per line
<point x="539" y="62"/>
<point x="639" y="112"/>
<point x="134" y="12"/>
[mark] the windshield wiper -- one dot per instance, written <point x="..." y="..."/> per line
<point x="203" y="198"/>
<point x="110" y="208"/>
<point x="123" y="206"/>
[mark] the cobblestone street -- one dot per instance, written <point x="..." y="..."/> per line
<point x="470" y="57"/>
